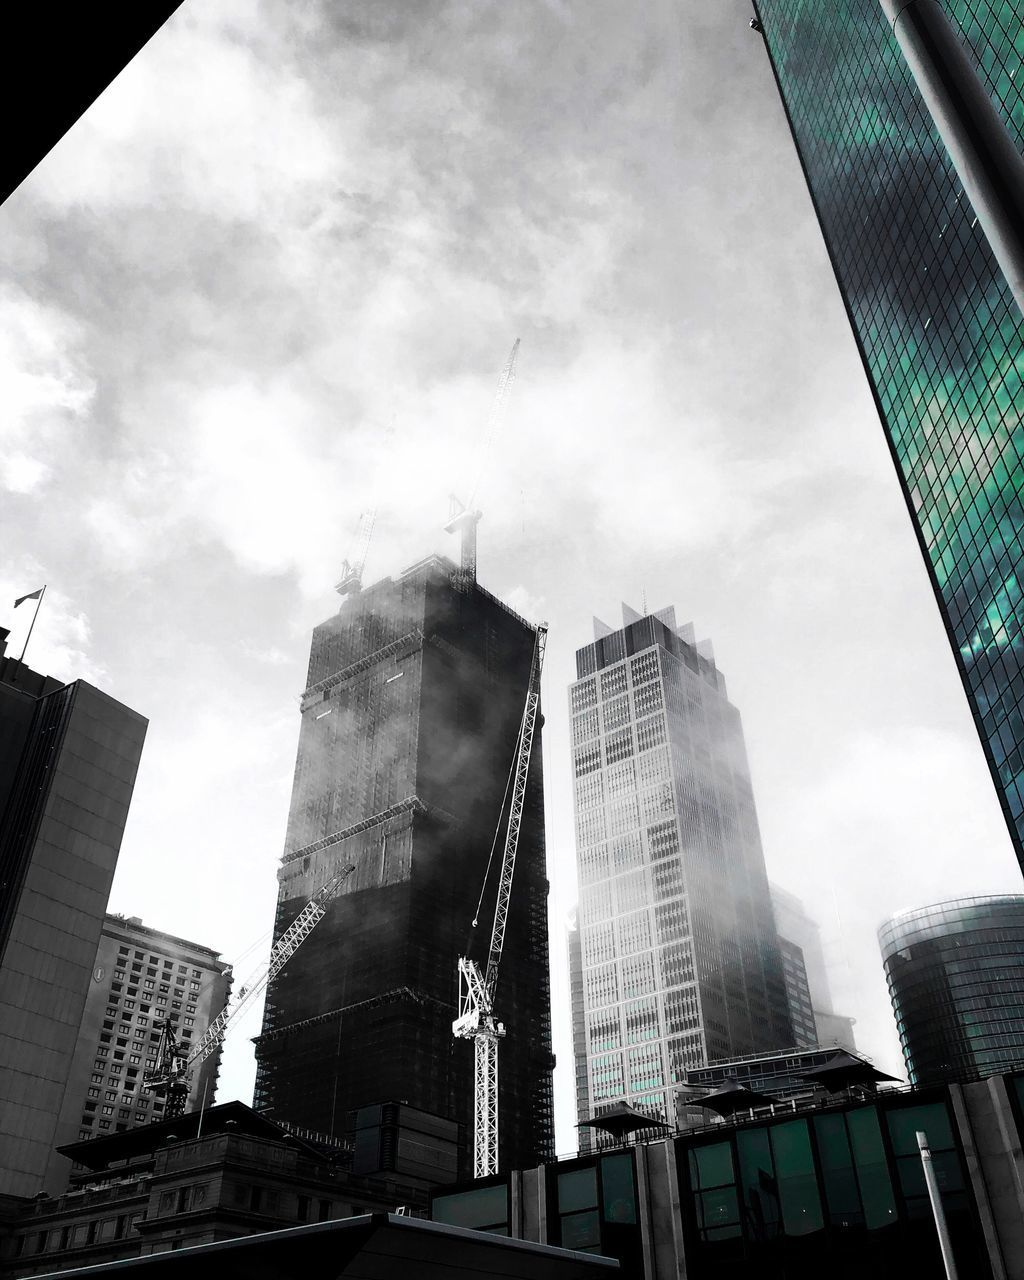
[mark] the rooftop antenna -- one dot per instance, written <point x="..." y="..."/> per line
<point x="463" y="517"/>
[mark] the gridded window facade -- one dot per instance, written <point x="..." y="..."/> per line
<point x="939" y="332"/>
<point x="637" y="951"/>
<point x="956" y="980"/>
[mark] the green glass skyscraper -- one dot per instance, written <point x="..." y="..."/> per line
<point x="939" y="332"/>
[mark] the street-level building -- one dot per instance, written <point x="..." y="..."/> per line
<point x="822" y="1188"/>
<point x="216" y="1175"/>
<point x="68" y="760"/>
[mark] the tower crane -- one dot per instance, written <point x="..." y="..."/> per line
<point x="173" y="1075"/>
<point x="463" y="517"/>
<point x="351" y="579"/>
<point x="476" y="1020"/>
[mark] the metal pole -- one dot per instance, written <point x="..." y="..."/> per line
<point x="938" y="1212"/>
<point x="985" y="157"/>
<point x="24" y="647"/>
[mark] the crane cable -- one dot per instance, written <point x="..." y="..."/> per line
<point x="497" y="831"/>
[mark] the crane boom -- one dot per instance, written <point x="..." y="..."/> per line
<point x="476" y="1020"/>
<point x="174" y="1071"/>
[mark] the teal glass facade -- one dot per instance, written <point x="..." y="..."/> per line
<point x="842" y="1191"/>
<point x="940" y="335"/>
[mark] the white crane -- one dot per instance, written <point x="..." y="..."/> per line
<point x="351" y="579"/>
<point x="463" y="518"/>
<point x="476" y="1020"/>
<point x="174" y="1073"/>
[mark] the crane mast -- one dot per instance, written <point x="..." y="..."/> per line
<point x="476" y="1020"/>
<point x="174" y="1073"/>
<point x="351" y="580"/>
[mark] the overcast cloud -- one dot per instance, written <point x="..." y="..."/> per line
<point x="270" y="279"/>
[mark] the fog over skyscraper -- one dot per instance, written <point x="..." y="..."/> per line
<point x="936" y="324"/>
<point x="409" y="725"/>
<point x="679" y="955"/>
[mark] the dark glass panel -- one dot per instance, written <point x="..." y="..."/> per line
<point x="581" y="1230"/>
<point x="618" y="1192"/>
<point x="718" y="1210"/>
<point x="711" y="1166"/>
<point x="798" y="1185"/>
<point x="762" y="1213"/>
<point x="577" y="1189"/>
<point x="931" y="1118"/>
<point x="836" y="1160"/>
<point x="871" y="1166"/>
<point x="486" y="1207"/>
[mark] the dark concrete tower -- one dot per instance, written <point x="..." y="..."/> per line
<point x="934" y="317"/>
<point x="409" y="723"/>
<point x="680" y="957"/>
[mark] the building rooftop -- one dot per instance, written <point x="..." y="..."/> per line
<point x="378" y="1245"/>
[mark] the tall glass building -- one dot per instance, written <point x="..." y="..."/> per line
<point x="938" y="330"/>
<point x="956" y="980"/>
<point x="678" y="952"/>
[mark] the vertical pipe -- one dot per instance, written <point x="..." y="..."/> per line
<point x="985" y="157"/>
<point x="938" y="1212"/>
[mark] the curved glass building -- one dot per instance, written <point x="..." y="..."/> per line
<point x="956" y="980"/>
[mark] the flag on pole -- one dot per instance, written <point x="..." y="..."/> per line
<point x="32" y="595"/>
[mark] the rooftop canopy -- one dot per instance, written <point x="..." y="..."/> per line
<point x="622" y="1119"/>
<point x="844" y="1069"/>
<point x="731" y="1097"/>
<point x="378" y="1246"/>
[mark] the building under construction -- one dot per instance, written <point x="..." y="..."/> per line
<point x="409" y="729"/>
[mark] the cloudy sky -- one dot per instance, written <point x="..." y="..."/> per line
<point x="270" y="279"/>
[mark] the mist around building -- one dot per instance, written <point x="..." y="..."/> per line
<point x="729" y="1123"/>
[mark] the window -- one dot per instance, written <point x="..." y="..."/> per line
<point x="96" y="1078"/>
<point x="302" y="1209"/>
<point x="108" y="1111"/>
<point x="183" y="968"/>
<point x="577" y="1210"/>
<point x="111" y="1094"/>
<point x="94" y="1093"/>
<point x="325" y="1211"/>
<point x="124" y="1113"/>
<point x="482" y="1209"/>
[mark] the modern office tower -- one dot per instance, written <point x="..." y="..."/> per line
<point x="681" y="961"/>
<point x="935" y="321"/>
<point x="140" y="976"/>
<point x="956" y="980"/>
<point x="68" y="759"/>
<point x="409" y="725"/>
<point x="579" y="1025"/>
<point x="807" y="975"/>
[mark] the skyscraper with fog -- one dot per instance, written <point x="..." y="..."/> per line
<point x="679" y="955"/>
<point x="409" y="724"/>
<point x="934" y="317"/>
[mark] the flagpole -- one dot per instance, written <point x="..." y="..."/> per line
<point x="32" y="623"/>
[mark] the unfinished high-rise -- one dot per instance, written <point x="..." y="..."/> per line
<point x="409" y="726"/>
<point x="680" y="958"/>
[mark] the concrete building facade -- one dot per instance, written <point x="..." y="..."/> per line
<point x="68" y="762"/>
<point x="175" y="1184"/>
<point x="819" y="1188"/>
<point x="679" y="953"/>
<point x="140" y="976"/>
<point x="409" y="725"/>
